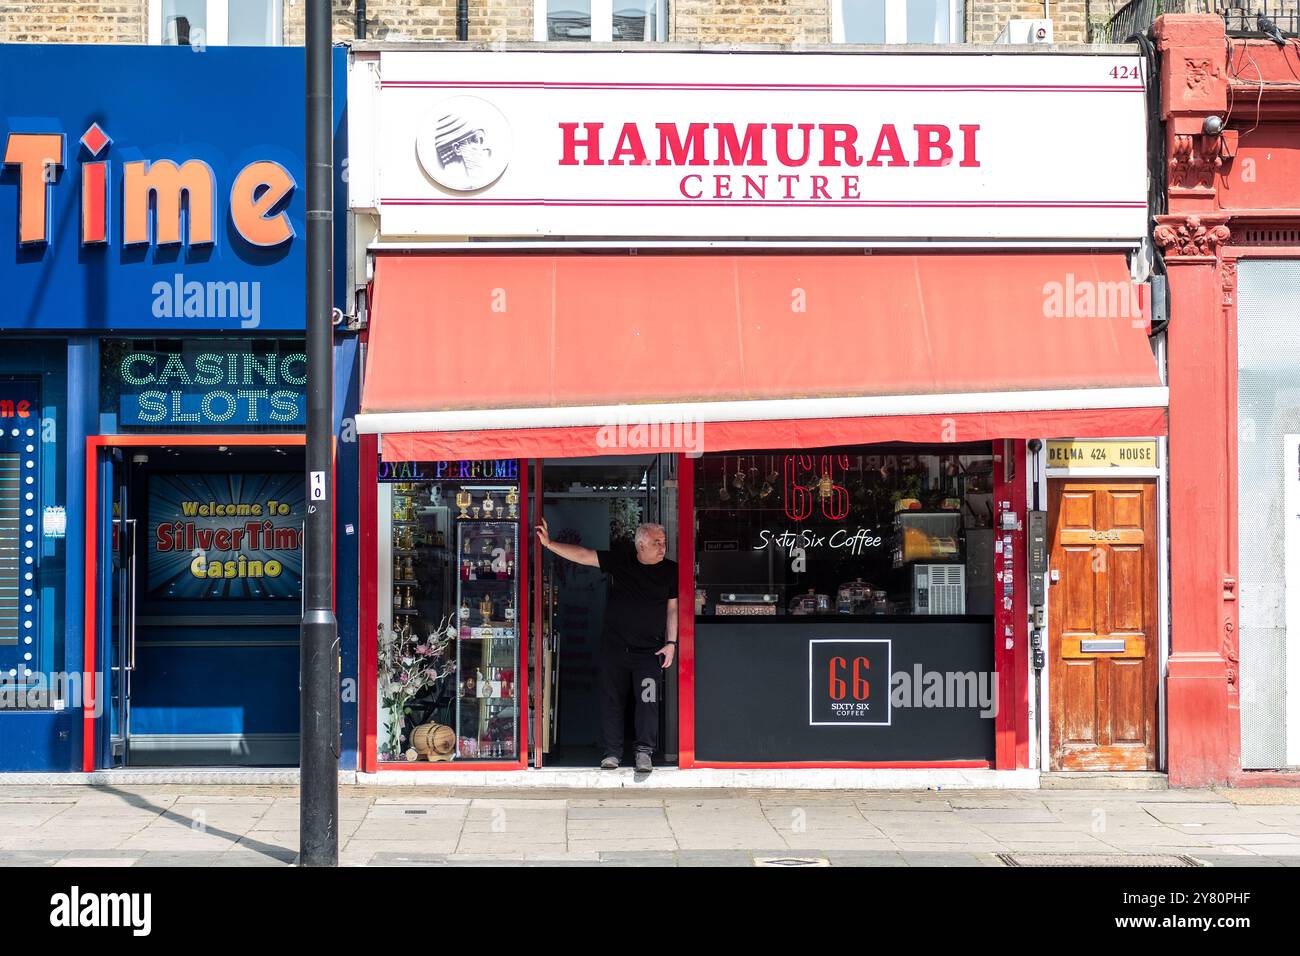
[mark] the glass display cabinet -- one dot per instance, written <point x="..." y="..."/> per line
<point x="487" y="649"/>
<point x="448" y="641"/>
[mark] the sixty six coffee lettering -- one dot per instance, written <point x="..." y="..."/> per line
<point x="848" y="683"/>
<point x="850" y="540"/>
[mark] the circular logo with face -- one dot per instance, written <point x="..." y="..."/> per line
<point x="464" y="143"/>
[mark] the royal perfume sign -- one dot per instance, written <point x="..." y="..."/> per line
<point x="491" y="469"/>
<point x="709" y="144"/>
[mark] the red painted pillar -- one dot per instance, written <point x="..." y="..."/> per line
<point x="1202" y="715"/>
<point x="1201" y="695"/>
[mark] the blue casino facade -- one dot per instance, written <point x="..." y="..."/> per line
<point x="152" y="400"/>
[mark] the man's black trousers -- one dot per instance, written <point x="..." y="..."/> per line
<point x="628" y="674"/>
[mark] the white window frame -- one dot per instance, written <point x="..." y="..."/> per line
<point x="896" y="21"/>
<point x="217" y="32"/>
<point x="602" y="21"/>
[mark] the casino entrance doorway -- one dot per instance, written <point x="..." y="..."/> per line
<point x="194" y="599"/>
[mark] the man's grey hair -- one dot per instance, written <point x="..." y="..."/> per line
<point x="646" y="529"/>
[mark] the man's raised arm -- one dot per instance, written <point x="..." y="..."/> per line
<point x="570" y="552"/>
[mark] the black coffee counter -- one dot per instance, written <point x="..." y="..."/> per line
<point x="797" y="689"/>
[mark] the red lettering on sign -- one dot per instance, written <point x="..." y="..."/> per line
<point x="838" y="690"/>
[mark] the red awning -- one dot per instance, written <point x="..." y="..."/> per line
<point x="561" y="355"/>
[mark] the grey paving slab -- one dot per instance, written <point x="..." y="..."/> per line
<point x="1019" y="814"/>
<point x="1154" y="836"/>
<point x="236" y="858"/>
<point x="636" y="858"/>
<point x="97" y="861"/>
<point x="420" y="799"/>
<point x="1035" y="831"/>
<point x="916" y="818"/>
<point x="1057" y="846"/>
<point x="722" y="857"/>
<point x="233" y="826"/>
<point x="996" y="801"/>
<point x="131" y="855"/>
<point x="909" y="802"/>
<point x="178" y="858"/>
<point x="1272" y="849"/>
<point x="623" y="846"/>
<point x="399" y="858"/>
<point x="1220" y="859"/>
<point x="652" y="812"/>
<point x="1199" y="812"/>
<point x="865" y="858"/>
<point x="956" y="858"/>
<point x="1254" y="837"/>
<point x="31" y="857"/>
<point x="985" y="847"/>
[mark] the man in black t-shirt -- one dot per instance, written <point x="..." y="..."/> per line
<point x="639" y="636"/>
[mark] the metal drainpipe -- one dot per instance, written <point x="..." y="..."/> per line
<point x="361" y="20"/>
<point x="462" y="19"/>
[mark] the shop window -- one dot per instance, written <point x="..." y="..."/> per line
<point x="897" y="21"/>
<point x="200" y="23"/>
<point x="448" y="611"/>
<point x="866" y="531"/>
<point x="1268" y="503"/>
<point x="20" y="532"/>
<point x="602" y="20"/>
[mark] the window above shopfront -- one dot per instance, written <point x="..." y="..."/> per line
<point x="201" y="23"/>
<point x="623" y="21"/>
<point x="868" y="530"/>
<point x="897" y="21"/>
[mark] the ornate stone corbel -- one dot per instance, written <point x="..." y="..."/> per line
<point x="1194" y="159"/>
<point x="1190" y="236"/>
<point x="1229" y="274"/>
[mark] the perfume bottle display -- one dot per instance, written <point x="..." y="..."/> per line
<point x="452" y="573"/>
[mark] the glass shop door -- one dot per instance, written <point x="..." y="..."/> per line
<point x="595" y="503"/>
<point x="120" y="561"/>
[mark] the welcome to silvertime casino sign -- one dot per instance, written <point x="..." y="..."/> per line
<point x="752" y="144"/>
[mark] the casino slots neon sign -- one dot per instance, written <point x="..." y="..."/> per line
<point x="163" y="202"/>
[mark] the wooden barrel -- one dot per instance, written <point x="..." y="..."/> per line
<point x="430" y="739"/>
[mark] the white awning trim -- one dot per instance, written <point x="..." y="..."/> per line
<point x="869" y="406"/>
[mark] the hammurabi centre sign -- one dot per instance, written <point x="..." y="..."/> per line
<point x="170" y="198"/>
<point x="722" y="144"/>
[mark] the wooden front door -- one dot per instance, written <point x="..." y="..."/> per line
<point x="1103" y="640"/>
